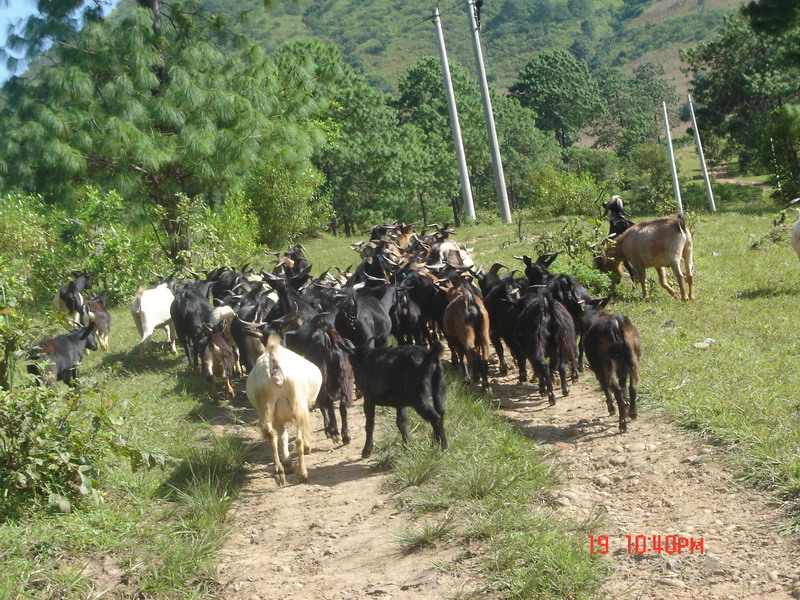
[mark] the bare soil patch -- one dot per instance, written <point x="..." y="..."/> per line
<point x="333" y="538"/>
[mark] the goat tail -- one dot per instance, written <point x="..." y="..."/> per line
<point x="620" y="350"/>
<point x="682" y="221"/>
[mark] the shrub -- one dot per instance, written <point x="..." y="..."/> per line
<point x="288" y="204"/>
<point x="49" y="445"/>
<point x="558" y="193"/>
<point x="575" y="242"/>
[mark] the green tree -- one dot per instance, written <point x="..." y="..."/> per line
<point x="156" y="112"/>
<point x="423" y="103"/>
<point x="524" y="148"/>
<point x="634" y="106"/>
<point x="744" y="83"/>
<point x="559" y="88"/>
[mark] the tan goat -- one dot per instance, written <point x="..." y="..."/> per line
<point x="657" y="243"/>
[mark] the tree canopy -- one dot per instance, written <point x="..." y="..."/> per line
<point x="559" y="88"/>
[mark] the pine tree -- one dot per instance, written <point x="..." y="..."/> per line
<point x="161" y="104"/>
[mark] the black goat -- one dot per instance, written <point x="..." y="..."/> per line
<point x="565" y="289"/>
<point x="191" y="311"/>
<point x="69" y="298"/>
<point x="318" y="342"/>
<point x="63" y="353"/>
<point x="618" y="223"/>
<point x="363" y="317"/>
<point x="613" y="349"/>
<point x="401" y="377"/>
<point x="546" y="335"/>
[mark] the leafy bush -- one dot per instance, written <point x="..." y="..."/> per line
<point x="49" y="448"/>
<point x="575" y="242"/>
<point x="25" y="235"/>
<point x="289" y="205"/>
<point x="558" y="193"/>
<point x="649" y="181"/>
<point x="15" y="334"/>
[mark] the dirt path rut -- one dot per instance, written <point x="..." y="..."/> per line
<point x="332" y="539"/>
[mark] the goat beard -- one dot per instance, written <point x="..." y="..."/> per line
<point x="275" y="372"/>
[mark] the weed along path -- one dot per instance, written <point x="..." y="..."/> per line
<point x="657" y="487"/>
<point x="654" y="488"/>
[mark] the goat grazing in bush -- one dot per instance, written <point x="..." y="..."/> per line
<point x="657" y="243"/>
<point x="613" y="349"/>
<point x="94" y="310"/>
<point x="62" y="353"/>
<point x="69" y="298"/>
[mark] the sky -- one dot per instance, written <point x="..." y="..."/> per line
<point x="11" y="13"/>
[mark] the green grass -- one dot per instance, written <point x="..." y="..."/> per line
<point x="162" y="529"/>
<point x="491" y="498"/>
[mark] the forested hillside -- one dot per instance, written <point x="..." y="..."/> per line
<point x="383" y="38"/>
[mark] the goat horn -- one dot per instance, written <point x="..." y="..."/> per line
<point x="792" y="202"/>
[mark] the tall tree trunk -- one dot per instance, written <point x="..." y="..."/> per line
<point x="424" y="210"/>
<point x="455" y="202"/>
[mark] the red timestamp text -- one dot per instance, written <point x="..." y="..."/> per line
<point x="642" y="544"/>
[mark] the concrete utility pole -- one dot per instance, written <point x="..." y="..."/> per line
<point x="672" y="159"/>
<point x="463" y="174"/>
<point x="711" y="206"/>
<point x="497" y="163"/>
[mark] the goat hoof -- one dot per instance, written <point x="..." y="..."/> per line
<point x="280" y="479"/>
<point x="303" y="478"/>
<point x="365" y="454"/>
<point x="336" y="439"/>
<point x="345" y="439"/>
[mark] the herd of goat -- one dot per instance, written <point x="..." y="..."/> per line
<point x="304" y="342"/>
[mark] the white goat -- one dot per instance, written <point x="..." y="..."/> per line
<point x="657" y="243"/>
<point x="150" y="311"/>
<point x="282" y="387"/>
<point x="796" y="229"/>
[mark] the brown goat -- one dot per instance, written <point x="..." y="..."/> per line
<point x="657" y="243"/>
<point x="466" y="327"/>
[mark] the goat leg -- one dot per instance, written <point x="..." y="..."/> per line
<point x="402" y="423"/>
<point x="345" y="428"/>
<point x="369" y="414"/>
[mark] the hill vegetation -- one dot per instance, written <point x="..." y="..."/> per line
<point x="382" y="38"/>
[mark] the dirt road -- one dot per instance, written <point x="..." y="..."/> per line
<point x="332" y="539"/>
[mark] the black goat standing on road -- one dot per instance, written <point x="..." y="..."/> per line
<point x="400" y="377"/>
